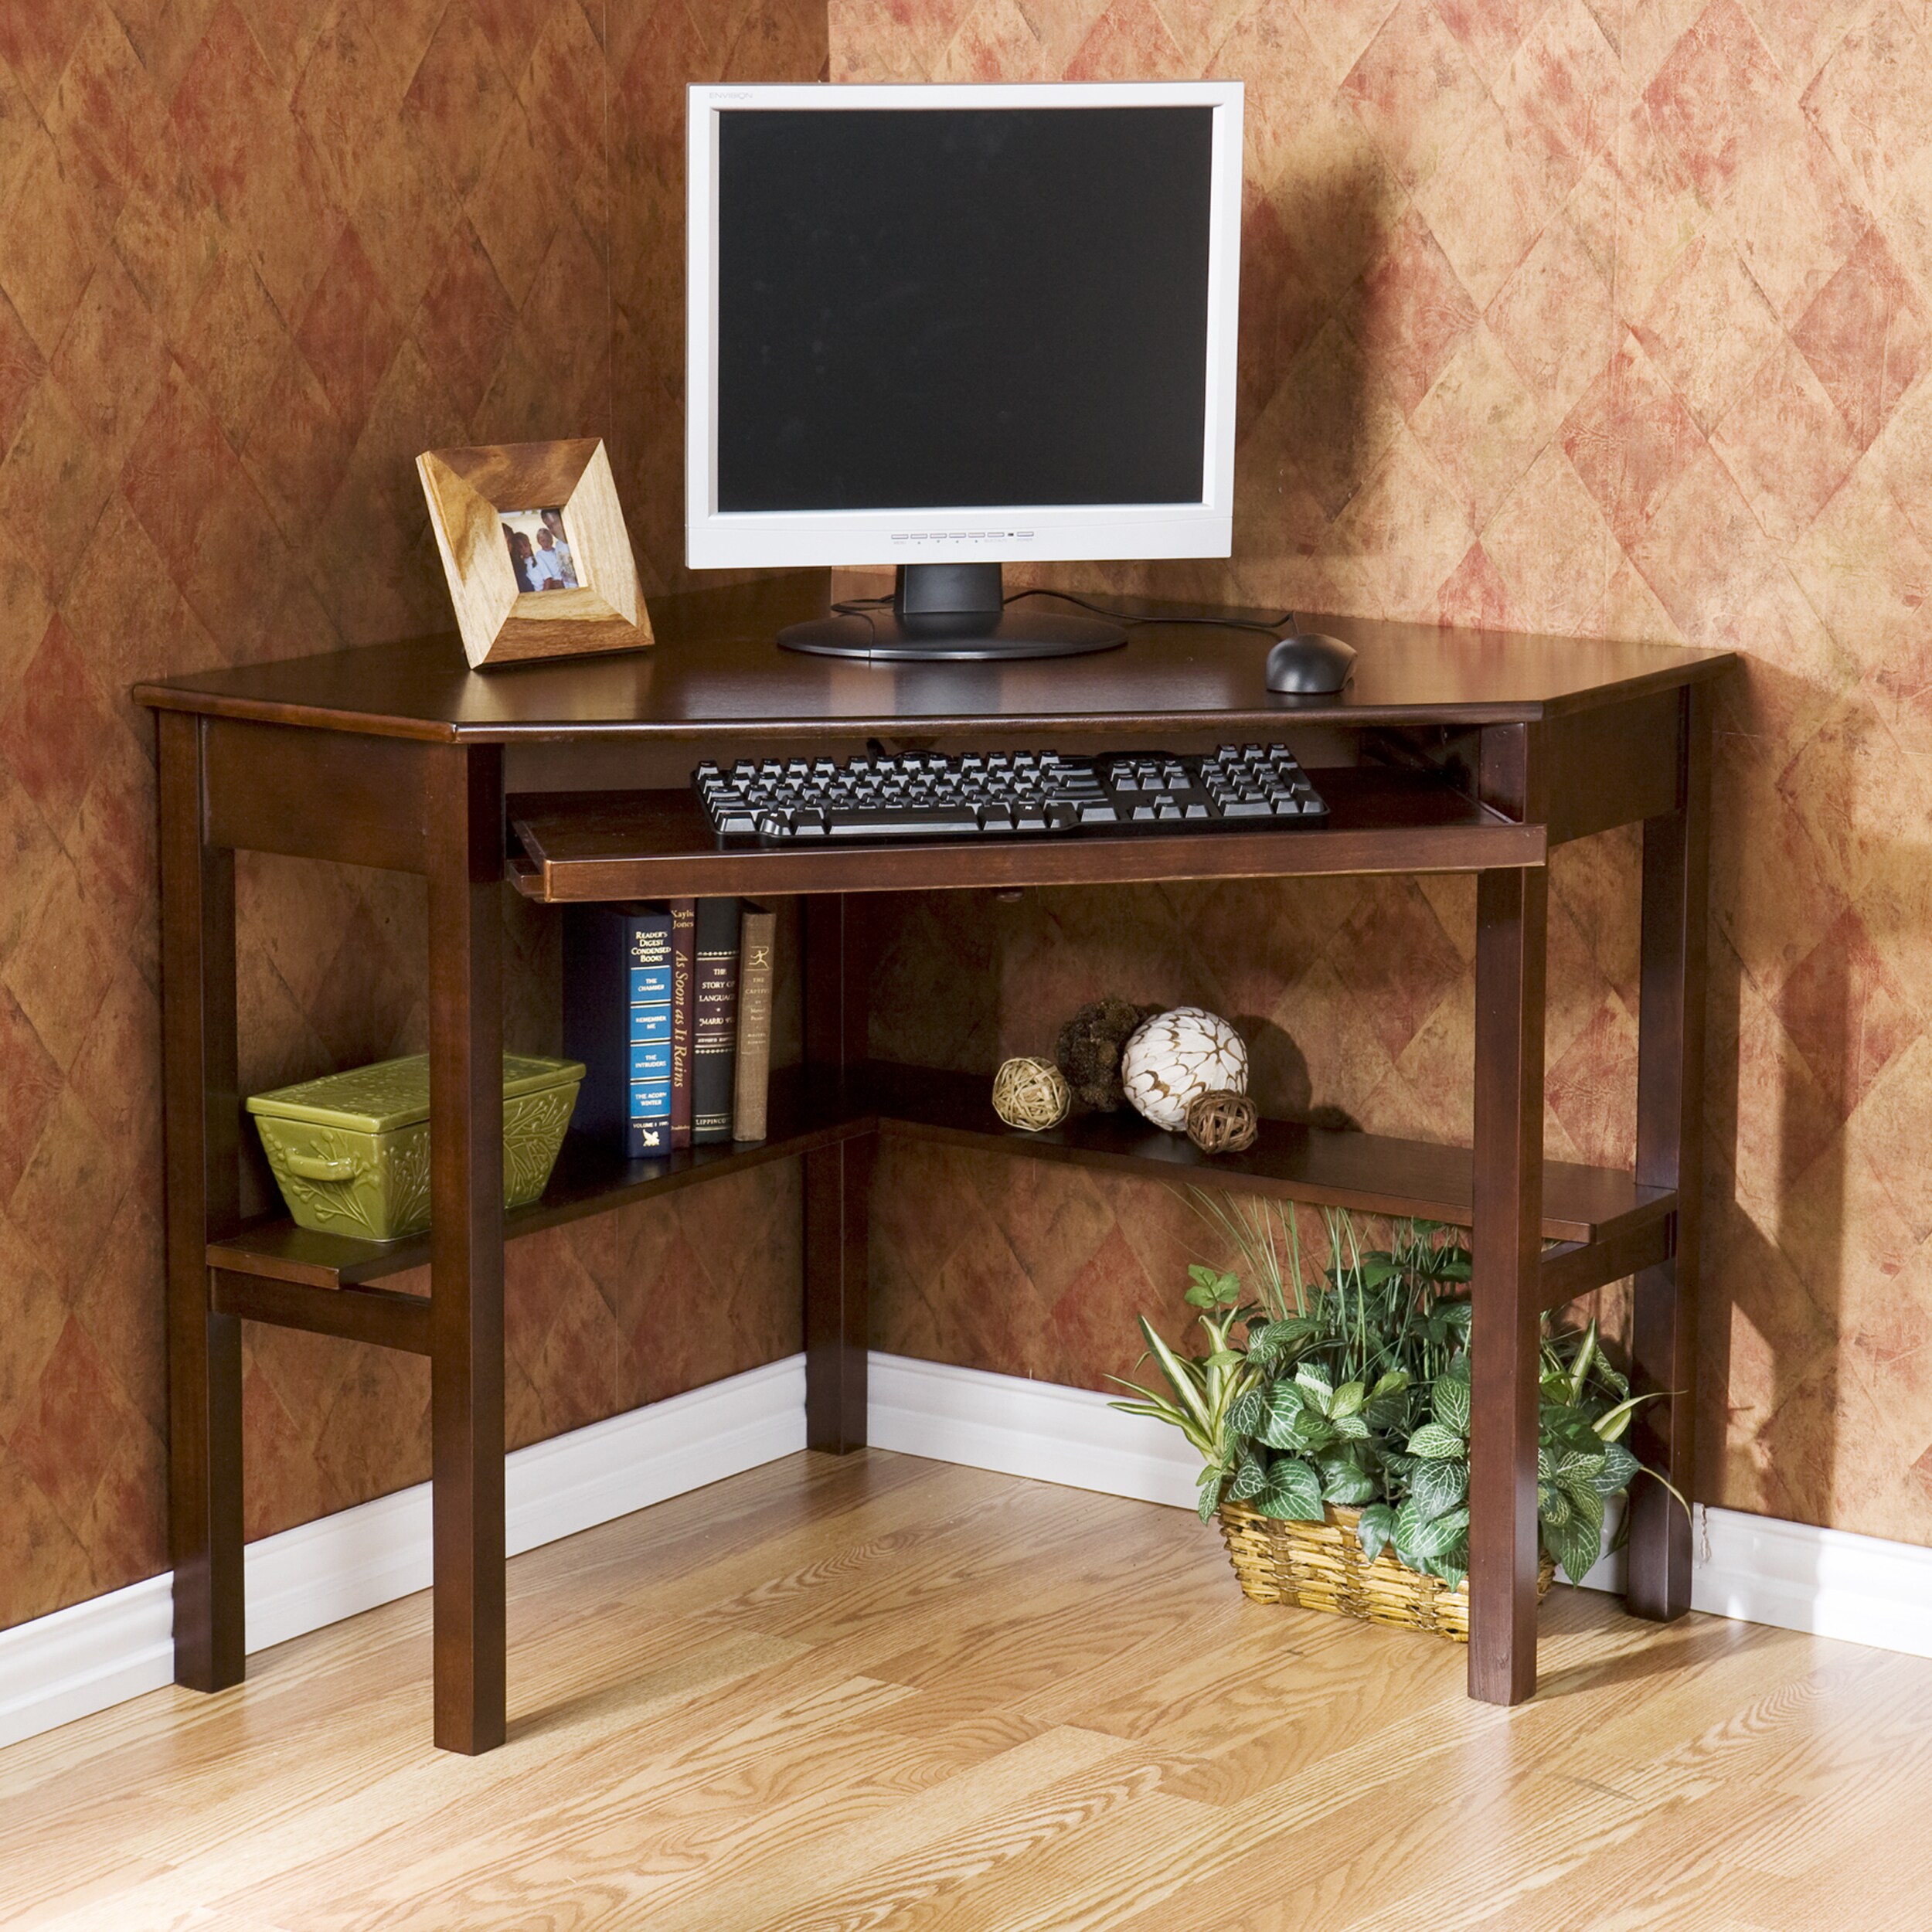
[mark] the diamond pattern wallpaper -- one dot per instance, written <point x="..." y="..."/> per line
<point x="1566" y="315"/>
<point x="1576" y="316"/>
<point x="254" y="255"/>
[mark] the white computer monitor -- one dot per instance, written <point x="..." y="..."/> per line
<point x="940" y="325"/>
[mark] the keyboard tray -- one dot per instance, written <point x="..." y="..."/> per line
<point x="571" y="847"/>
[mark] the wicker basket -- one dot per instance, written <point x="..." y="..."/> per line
<point x="1320" y="1565"/>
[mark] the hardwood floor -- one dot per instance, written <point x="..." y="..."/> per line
<point x="882" y="1693"/>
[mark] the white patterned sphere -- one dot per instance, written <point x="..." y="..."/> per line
<point x="1176" y="1056"/>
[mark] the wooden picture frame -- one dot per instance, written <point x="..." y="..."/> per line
<point x="584" y="596"/>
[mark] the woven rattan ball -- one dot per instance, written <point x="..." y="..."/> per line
<point x="1032" y="1094"/>
<point x="1222" y="1122"/>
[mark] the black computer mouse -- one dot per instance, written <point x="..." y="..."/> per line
<point x="1309" y="664"/>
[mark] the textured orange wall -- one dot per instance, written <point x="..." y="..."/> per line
<point x="254" y="255"/>
<point x="1571" y="318"/>
<point x="1574" y="317"/>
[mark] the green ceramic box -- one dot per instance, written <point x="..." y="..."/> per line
<point x="351" y="1150"/>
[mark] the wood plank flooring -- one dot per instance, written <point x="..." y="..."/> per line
<point x="881" y="1694"/>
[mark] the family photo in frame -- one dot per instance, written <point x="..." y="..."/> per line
<point x="540" y="556"/>
<point x="534" y="544"/>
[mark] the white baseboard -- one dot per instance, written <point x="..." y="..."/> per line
<point x="1020" y="1427"/>
<point x="80" y="1660"/>
<point x="1829" y="1582"/>
<point x="1756" y="1569"/>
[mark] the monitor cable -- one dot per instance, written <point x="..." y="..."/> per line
<point x="1265" y="626"/>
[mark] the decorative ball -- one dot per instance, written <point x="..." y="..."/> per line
<point x="1177" y="1056"/>
<point x="1088" y="1051"/>
<point x="1222" y="1122"/>
<point x="1030" y="1093"/>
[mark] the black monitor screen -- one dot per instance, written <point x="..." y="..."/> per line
<point x="962" y="308"/>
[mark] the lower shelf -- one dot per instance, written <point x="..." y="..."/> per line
<point x="590" y="1177"/>
<point x="1602" y="1217"/>
<point x="1372" y="1173"/>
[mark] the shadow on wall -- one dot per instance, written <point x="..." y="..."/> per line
<point x="1314" y="319"/>
<point x="1786" y="1066"/>
<point x="1279" y="1068"/>
<point x="1728" y="1234"/>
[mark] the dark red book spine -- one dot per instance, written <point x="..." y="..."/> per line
<point x="684" y="990"/>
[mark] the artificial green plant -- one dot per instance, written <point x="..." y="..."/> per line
<point x="1350" y="1387"/>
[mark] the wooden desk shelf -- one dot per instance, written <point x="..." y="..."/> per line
<point x="1599" y="1216"/>
<point x="1472" y="752"/>
<point x="590" y="1178"/>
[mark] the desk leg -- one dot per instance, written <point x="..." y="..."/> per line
<point x="1506" y="1243"/>
<point x="200" y="1125"/>
<point x="838" y="1187"/>
<point x="838" y="1179"/>
<point x="463" y="791"/>
<point x="1670" y="1087"/>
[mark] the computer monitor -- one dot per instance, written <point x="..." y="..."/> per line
<point x="950" y="328"/>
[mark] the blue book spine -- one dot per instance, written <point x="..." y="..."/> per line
<point x="647" y="976"/>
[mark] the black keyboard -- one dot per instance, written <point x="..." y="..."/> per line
<point x="1005" y="795"/>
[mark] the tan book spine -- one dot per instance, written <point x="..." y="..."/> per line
<point x="758" y="936"/>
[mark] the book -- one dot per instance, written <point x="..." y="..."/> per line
<point x="683" y="970"/>
<point x="757" y="934"/>
<point x="617" y="1020"/>
<point x="714" y="1019"/>
<point x="649" y="959"/>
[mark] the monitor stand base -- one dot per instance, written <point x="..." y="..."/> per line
<point x="952" y="613"/>
<point x="879" y="634"/>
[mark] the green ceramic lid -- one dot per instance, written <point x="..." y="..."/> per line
<point x="389" y="1094"/>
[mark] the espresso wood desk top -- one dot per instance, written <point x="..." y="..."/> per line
<point x="715" y="669"/>
<point x="1450" y="750"/>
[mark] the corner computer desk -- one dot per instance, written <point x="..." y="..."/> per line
<point x="1452" y="751"/>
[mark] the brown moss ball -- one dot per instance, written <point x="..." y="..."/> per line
<point x="1088" y="1051"/>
